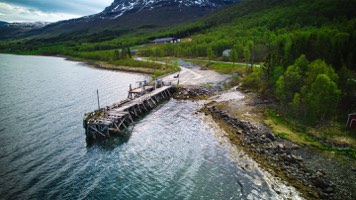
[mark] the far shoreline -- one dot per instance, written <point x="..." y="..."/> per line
<point x="106" y="66"/>
<point x="95" y="64"/>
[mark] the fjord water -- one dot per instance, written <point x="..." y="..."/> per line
<point x="170" y="154"/>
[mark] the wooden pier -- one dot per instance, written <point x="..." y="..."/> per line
<point x="116" y="118"/>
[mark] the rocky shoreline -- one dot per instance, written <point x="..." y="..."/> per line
<point x="293" y="164"/>
<point x="275" y="154"/>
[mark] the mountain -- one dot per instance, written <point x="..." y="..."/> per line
<point x="3" y="23"/>
<point x="127" y="15"/>
<point x="121" y="7"/>
<point x="26" y="25"/>
<point x="14" y="30"/>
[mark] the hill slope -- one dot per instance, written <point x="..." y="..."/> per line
<point x="289" y="28"/>
<point x="126" y="15"/>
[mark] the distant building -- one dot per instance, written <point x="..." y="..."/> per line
<point x="226" y="52"/>
<point x="166" y="40"/>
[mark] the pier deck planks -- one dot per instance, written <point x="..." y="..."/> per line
<point x="115" y="116"/>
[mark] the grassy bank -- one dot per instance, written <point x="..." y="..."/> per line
<point x="108" y="66"/>
<point x="221" y="67"/>
<point x="330" y="138"/>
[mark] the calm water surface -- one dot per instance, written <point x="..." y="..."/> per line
<point x="170" y="154"/>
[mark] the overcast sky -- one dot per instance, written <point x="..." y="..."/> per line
<point x="49" y="10"/>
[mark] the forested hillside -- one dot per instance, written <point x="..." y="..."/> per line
<point x="307" y="58"/>
<point x="279" y="28"/>
<point x="305" y="47"/>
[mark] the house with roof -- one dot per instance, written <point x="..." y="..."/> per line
<point x="165" y="40"/>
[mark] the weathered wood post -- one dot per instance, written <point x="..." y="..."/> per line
<point x="130" y="94"/>
<point x="97" y="94"/>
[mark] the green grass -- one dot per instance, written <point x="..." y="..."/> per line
<point x="221" y="67"/>
<point x="298" y="134"/>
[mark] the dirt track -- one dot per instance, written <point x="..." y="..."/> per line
<point x="195" y="76"/>
<point x="192" y="75"/>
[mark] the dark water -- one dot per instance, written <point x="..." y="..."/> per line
<point x="170" y="154"/>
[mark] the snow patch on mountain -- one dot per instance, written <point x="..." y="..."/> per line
<point x="121" y="7"/>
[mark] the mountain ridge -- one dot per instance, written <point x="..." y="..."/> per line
<point x="120" y="7"/>
<point x="124" y="15"/>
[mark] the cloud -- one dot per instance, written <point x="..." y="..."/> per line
<point x="49" y="11"/>
<point x="12" y="13"/>
<point x="78" y="7"/>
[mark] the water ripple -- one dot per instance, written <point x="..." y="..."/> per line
<point x="170" y="154"/>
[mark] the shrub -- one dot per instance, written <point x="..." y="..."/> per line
<point x="253" y="80"/>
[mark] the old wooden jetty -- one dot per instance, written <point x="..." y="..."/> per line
<point x="116" y="118"/>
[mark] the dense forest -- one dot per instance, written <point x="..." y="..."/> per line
<point x="305" y="50"/>
<point x="306" y="47"/>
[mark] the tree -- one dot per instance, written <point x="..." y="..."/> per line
<point x="277" y="72"/>
<point x="259" y="52"/>
<point x="129" y="52"/>
<point x="295" y="105"/>
<point x="123" y="53"/>
<point x="233" y="56"/>
<point x="320" y="67"/>
<point x="210" y="53"/>
<point x="287" y="48"/>
<point x="268" y="69"/>
<point x="280" y="90"/>
<point x="250" y="46"/>
<point x="322" y="98"/>
<point x="247" y="55"/>
<point x="345" y="82"/>
<point x="116" y="55"/>
<point x="302" y="62"/>
<point x="293" y="81"/>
